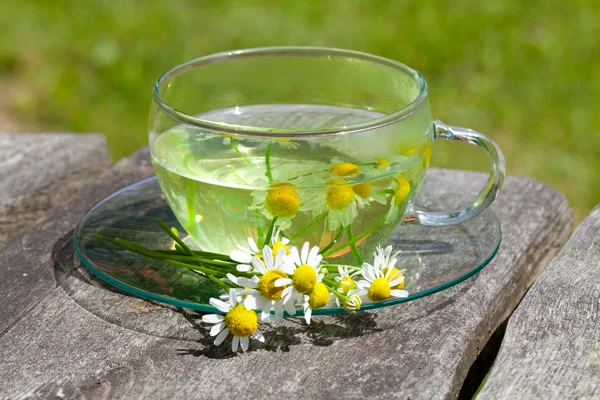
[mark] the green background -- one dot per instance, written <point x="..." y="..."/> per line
<point x="525" y="73"/>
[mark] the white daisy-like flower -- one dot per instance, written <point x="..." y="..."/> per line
<point x="401" y="188"/>
<point x="303" y="273"/>
<point x="353" y="302"/>
<point x="386" y="260"/>
<point x="279" y="200"/>
<point x="379" y="283"/>
<point x="339" y="200"/>
<point x="260" y="291"/>
<point x="346" y="278"/>
<point x="243" y="255"/>
<point x="240" y="321"/>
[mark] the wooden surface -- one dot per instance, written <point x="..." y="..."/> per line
<point x="64" y="333"/>
<point x="38" y="172"/>
<point x="551" y="349"/>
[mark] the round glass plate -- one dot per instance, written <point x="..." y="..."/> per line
<point x="434" y="259"/>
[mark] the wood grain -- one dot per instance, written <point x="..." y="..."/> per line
<point x="552" y="345"/>
<point x="40" y="171"/>
<point x="64" y="341"/>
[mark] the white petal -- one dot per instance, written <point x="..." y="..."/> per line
<point x="252" y="245"/>
<point x="396" y="280"/>
<point x="258" y="336"/>
<point x="245" y="282"/>
<point x="307" y="315"/>
<point x="288" y="267"/>
<point x="312" y="256"/>
<point x="304" y="254"/>
<point x="250" y="303"/>
<point x="233" y="278"/>
<point x="216" y="329"/>
<point x="399" y="293"/>
<point x="240" y="256"/>
<point x="244" y="341"/>
<point x="285" y="241"/>
<point x="221" y="336"/>
<point x="289" y="308"/>
<point x="258" y="265"/>
<point x="268" y="257"/>
<point x="294" y="257"/>
<point x="234" y="343"/>
<point x="281" y="282"/>
<point x="243" y="267"/>
<point x="212" y="318"/>
<point x="232" y="298"/>
<point x="219" y="305"/>
<point x="279" y="257"/>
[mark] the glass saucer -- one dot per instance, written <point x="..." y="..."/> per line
<point x="434" y="259"/>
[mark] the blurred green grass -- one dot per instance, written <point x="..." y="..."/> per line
<point x="525" y="73"/>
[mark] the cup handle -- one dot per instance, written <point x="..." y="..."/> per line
<point x="484" y="197"/>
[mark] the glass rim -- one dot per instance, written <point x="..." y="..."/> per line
<point x="378" y="122"/>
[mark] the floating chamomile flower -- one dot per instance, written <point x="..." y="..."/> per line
<point x="379" y="282"/>
<point x="344" y="168"/>
<point x="339" y="200"/>
<point x="304" y="269"/>
<point x="240" y="321"/>
<point x="401" y="189"/>
<point x="280" y="200"/>
<point x="260" y="291"/>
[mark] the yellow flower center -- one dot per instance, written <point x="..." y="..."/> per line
<point x="383" y="163"/>
<point x="266" y="284"/>
<point x="241" y="322"/>
<point x="363" y="189"/>
<point x="394" y="272"/>
<point x="425" y="153"/>
<point x="318" y="297"/>
<point x="380" y="290"/>
<point x="338" y="197"/>
<point x="304" y="278"/>
<point x="346" y="284"/>
<point x="280" y="245"/>
<point x="407" y="150"/>
<point x="282" y="200"/>
<point x="402" y="191"/>
<point x="345" y="169"/>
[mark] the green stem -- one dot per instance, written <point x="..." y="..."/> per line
<point x="268" y="172"/>
<point x="312" y="223"/>
<point x="174" y="236"/>
<point x="269" y="233"/>
<point x="237" y="150"/>
<point x="338" y="294"/>
<point x="335" y="239"/>
<point x="219" y="282"/>
<point x="259" y="223"/>
<point x="353" y="248"/>
<point x="355" y="238"/>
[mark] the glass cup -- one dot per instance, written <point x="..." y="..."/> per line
<point x="308" y="144"/>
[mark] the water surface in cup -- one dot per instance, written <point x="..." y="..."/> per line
<point x="327" y="190"/>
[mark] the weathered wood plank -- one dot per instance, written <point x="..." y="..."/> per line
<point x="26" y="274"/>
<point x="551" y="349"/>
<point x="86" y="339"/>
<point x="40" y="171"/>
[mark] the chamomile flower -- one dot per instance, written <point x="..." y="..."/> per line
<point x="378" y="283"/>
<point x="386" y="260"/>
<point x="345" y="279"/>
<point x="339" y="200"/>
<point x="260" y="291"/>
<point x="244" y="255"/>
<point x="280" y="200"/>
<point x="352" y="303"/>
<point x="303" y="273"/>
<point x="318" y="297"/>
<point x="401" y="188"/>
<point x="240" y="321"/>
